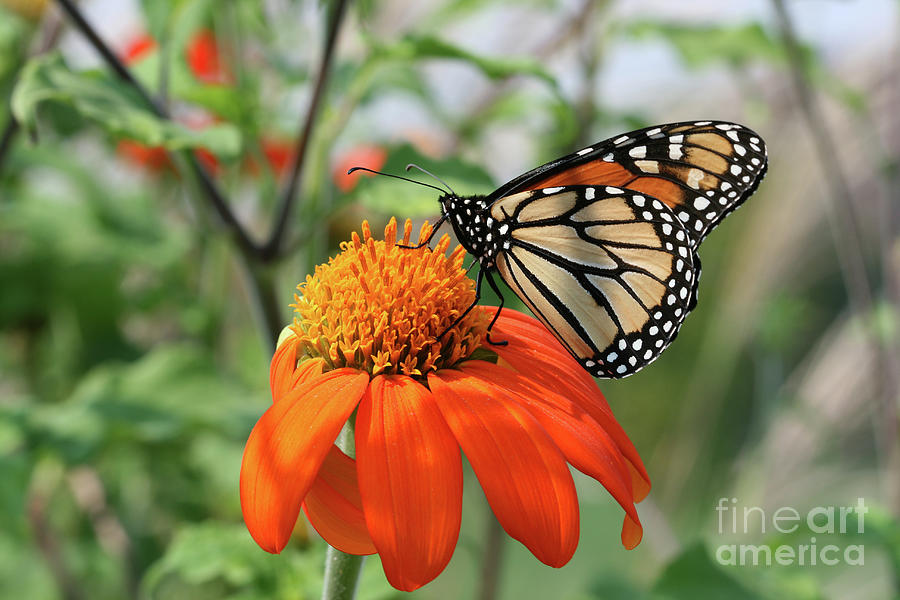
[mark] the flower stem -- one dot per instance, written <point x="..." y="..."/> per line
<point x="342" y="570"/>
<point x="341" y="575"/>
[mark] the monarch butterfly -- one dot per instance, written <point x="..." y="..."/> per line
<point x="601" y="244"/>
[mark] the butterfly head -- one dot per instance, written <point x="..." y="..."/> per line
<point x="476" y="229"/>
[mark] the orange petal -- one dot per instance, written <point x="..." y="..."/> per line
<point x="282" y="368"/>
<point x="533" y="350"/>
<point x="334" y="507"/>
<point x="583" y="442"/>
<point x="632" y="532"/>
<point x="524" y="475"/>
<point x="286" y="448"/>
<point x="307" y="370"/>
<point x="410" y="477"/>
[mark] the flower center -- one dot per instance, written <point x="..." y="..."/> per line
<point x="379" y="307"/>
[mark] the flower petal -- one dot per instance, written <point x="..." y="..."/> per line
<point x="523" y="474"/>
<point x="282" y="368"/>
<point x="286" y="448"/>
<point x="307" y="370"/>
<point x="334" y="506"/>
<point x="410" y="477"/>
<point x="585" y="444"/>
<point x="536" y="352"/>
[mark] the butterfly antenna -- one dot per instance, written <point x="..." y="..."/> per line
<point x="432" y="175"/>
<point x="434" y="187"/>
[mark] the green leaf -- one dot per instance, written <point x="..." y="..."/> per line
<point x="391" y="197"/>
<point x="701" y="45"/>
<point x="112" y="105"/>
<point x="413" y="47"/>
<point x="694" y="576"/>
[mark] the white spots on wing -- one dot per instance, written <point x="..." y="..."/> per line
<point x="589" y="193"/>
<point x="738" y="148"/>
<point x="612" y="356"/>
<point x="623" y="344"/>
<point x="676" y="139"/>
<point x="755" y="161"/>
<point x="667" y="229"/>
<point x="648" y="216"/>
<point x="621" y="139"/>
<point x="679" y="235"/>
<point x="736" y="169"/>
<point x="552" y="190"/>
<point x="711" y="215"/>
<point x="733" y="135"/>
<point x="682" y="250"/>
<point x="694" y="177"/>
<point x="667" y="217"/>
<point x="702" y="123"/>
<point x="684" y="216"/>
<point x="755" y="147"/>
<point x="585" y="151"/>
<point x="632" y="361"/>
<point x="654" y="131"/>
<point x="725" y="186"/>
<point x="621" y="369"/>
<point x="698" y="225"/>
<point x="657" y="205"/>
<point x="636" y="344"/>
<point x="613" y="190"/>
<point x="638" y="200"/>
<point x="653" y="330"/>
<point x="679" y="265"/>
<point x="504" y="228"/>
<point x="648" y="354"/>
<point x="609" y="157"/>
<point x="647" y="166"/>
<point x="667" y="326"/>
<point x="754" y="140"/>
<point x="638" y="152"/>
<point x="700" y="202"/>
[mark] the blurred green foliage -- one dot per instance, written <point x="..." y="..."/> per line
<point x="130" y="339"/>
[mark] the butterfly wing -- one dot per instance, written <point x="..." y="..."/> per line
<point x="607" y="270"/>
<point x="702" y="170"/>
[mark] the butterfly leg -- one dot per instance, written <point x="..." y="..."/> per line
<point x="469" y="309"/>
<point x="434" y="229"/>
<point x="497" y="291"/>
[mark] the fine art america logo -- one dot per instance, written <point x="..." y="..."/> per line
<point x="820" y="520"/>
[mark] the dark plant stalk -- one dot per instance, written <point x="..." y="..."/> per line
<point x="271" y="249"/>
<point x="847" y="230"/>
<point x="262" y="291"/>
<point x="209" y="187"/>
<point x="8" y="137"/>
<point x="847" y="235"/>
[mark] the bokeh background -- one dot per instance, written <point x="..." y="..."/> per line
<point x="136" y="328"/>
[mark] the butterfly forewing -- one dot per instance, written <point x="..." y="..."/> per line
<point x="609" y="271"/>
<point x="701" y="170"/>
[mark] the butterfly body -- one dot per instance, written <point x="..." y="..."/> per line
<point x="602" y="244"/>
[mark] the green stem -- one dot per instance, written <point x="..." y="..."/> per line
<point x="342" y="570"/>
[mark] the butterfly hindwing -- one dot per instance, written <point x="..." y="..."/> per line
<point x="702" y="170"/>
<point x="608" y="270"/>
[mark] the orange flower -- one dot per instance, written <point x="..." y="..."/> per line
<point x="202" y="54"/>
<point x="365" y="340"/>
<point x="371" y="157"/>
